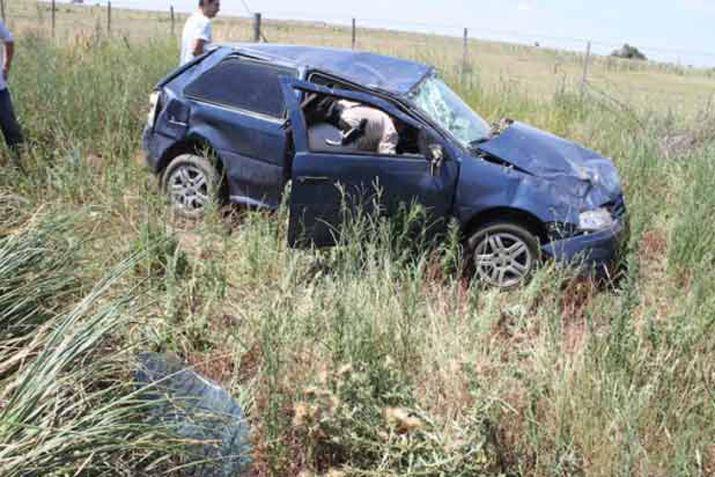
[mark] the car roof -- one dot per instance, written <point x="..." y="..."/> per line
<point x="390" y="74"/>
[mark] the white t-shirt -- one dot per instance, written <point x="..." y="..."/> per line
<point x="197" y="27"/>
<point x="5" y="35"/>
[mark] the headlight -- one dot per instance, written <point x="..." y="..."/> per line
<point x="598" y="219"/>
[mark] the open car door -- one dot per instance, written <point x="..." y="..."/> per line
<point x="329" y="184"/>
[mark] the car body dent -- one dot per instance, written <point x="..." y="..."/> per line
<point x="252" y="149"/>
<point x="371" y="70"/>
<point x="484" y="185"/>
<point x="579" y="175"/>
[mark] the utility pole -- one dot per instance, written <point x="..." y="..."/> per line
<point x="109" y="17"/>
<point x="257" y="28"/>
<point x="587" y="59"/>
<point x="173" y="24"/>
<point x="354" y="34"/>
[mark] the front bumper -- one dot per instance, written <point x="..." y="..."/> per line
<point x="596" y="251"/>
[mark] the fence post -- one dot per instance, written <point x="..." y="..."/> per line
<point x="465" y="52"/>
<point x="586" y="60"/>
<point x="257" y="28"/>
<point x="173" y="22"/>
<point x="354" y="34"/>
<point x="2" y="10"/>
<point x="53" y="17"/>
<point x="109" y="17"/>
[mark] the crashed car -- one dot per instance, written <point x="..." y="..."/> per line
<point x="242" y="121"/>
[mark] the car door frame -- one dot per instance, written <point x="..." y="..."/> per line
<point x="448" y="173"/>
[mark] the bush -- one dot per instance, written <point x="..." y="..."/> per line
<point x="629" y="52"/>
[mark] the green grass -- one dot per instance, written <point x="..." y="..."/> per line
<point x="68" y="403"/>
<point x="362" y="358"/>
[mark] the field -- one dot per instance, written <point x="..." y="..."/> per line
<point x="365" y="359"/>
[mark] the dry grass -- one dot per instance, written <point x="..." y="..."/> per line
<point x="559" y="378"/>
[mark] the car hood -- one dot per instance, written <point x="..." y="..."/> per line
<point x="542" y="154"/>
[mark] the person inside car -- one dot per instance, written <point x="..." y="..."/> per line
<point x="365" y="128"/>
<point x="378" y="130"/>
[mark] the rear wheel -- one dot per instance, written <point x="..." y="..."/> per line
<point x="502" y="255"/>
<point x="193" y="185"/>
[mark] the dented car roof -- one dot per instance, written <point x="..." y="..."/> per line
<point x="394" y="75"/>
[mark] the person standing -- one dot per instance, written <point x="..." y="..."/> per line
<point x="197" y="34"/>
<point x="8" y="122"/>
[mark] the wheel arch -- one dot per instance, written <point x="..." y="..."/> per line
<point x="194" y="144"/>
<point x="507" y="214"/>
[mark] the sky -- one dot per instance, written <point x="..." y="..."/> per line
<point x="677" y="31"/>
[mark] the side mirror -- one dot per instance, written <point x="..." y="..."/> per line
<point x="436" y="157"/>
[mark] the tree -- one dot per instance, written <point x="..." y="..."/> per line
<point x="629" y="52"/>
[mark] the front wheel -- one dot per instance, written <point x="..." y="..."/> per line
<point x="502" y="255"/>
<point x="192" y="184"/>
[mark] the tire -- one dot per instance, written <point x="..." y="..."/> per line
<point x="502" y="255"/>
<point x="193" y="185"/>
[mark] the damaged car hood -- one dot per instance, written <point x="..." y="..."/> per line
<point x="543" y="154"/>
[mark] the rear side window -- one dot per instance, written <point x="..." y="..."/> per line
<point x="243" y="84"/>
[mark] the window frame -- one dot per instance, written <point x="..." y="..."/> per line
<point x="407" y="156"/>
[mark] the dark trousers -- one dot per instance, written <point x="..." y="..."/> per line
<point x="8" y="122"/>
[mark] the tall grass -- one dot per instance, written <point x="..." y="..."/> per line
<point x="363" y="358"/>
<point x="67" y="404"/>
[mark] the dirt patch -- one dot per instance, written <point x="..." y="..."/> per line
<point x="682" y="143"/>
<point x="575" y="332"/>
<point x="95" y="161"/>
<point x="709" y="465"/>
<point x="250" y="363"/>
<point x="654" y="245"/>
<point x="576" y="298"/>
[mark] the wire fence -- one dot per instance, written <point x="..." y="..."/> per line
<point x="663" y="53"/>
<point x="541" y="61"/>
<point x="601" y="46"/>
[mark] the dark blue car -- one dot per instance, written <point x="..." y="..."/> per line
<point x="242" y="121"/>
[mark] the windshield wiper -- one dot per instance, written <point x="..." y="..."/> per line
<point x="475" y="143"/>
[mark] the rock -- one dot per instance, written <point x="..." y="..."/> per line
<point x="197" y="409"/>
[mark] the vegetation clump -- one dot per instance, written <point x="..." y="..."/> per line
<point x="629" y="52"/>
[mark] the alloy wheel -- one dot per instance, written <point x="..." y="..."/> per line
<point x="188" y="188"/>
<point x="502" y="259"/>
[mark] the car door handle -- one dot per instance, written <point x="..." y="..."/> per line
<point x="312" y="179"/>
<point x="175" y="122"/>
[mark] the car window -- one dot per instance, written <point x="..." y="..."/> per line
<point x="242" y="83"/>
<point x="336" y="124"/>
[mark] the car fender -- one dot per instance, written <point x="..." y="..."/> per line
<point x="485" y="186"/>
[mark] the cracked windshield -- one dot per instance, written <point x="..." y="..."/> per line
<point x="439" y="102"/>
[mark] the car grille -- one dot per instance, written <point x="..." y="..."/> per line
<point x="617" y="207"/>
